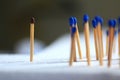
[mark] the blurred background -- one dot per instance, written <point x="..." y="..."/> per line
<point x="51" y="19"/>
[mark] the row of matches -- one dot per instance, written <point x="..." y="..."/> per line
<point x="97" y="24"/>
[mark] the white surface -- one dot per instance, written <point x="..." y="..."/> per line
<point x="23" y="46"/>
<point x="52" y="64"/>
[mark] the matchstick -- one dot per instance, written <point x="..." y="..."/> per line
<point x="73" y="49"/>
<point x="77" y="38"/>
<point x="112" y="24"/>
<point x="98" y="19"/>
<point x="100" y="23"/>
<point x="32" y="39"/>
<point x="74" y="42"/>
<point x="94" y="23"/>
<point x="87" y="38"/>
<point x="102" y="42"/>
<point x="107" y="42"/>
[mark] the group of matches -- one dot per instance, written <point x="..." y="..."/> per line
<point x="97" y="23"/>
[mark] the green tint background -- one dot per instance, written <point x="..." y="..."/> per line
<point x="51" y="17"/>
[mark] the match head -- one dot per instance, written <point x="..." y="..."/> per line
<point x="94" y="23"/>
<point x="99" y="19"/>
<point x="75" y="20"/>
<point x="32" y="20"/>
<point x="115" y="22"/>
<point x="112" y="23"/>
<point x="85" y="18"/>
<point x="73" y="30"/>
<point x="71" y="21"/>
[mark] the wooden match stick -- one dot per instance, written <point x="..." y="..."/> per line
<point x="74" y="43"/>
<point x="77" y="38"/>
<point x="87" y="38"/>
<point x="94" y="23"/>
<point x="102" y="42"/>
<point x="110" y="46"/>
<point x="32" y="39"/>
<point x="78" y="43"/>
<point x="73" y="49"/>
<point x="112" y="24"/>
<point x="71" y="54"/>
<point x="107" y="42"/>
<point x="100" y="49"/>
<point x="101" y="34"/>
<point x="98" y="19"/>
<point x="100" y="23"/>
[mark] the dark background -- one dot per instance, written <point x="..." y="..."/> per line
<point x="51" y="18"/>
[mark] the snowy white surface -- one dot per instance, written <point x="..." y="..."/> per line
<point x="23" y="46"/>
<point x="52" y="64"/>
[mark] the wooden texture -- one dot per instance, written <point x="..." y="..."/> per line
<point x="107" y="44"/>
<point x="101" y="35"/>
<point x="100" y="46"/>
<point x="74" y="49"/>
<point x="96" y="43"/>
<point x="72" y="54"/>
<point x="87" y="40"/>
<point x="111" y="37"/>
<point x="31" y="41"/>
<point x="78" y="42"/>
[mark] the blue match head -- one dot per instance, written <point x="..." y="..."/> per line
<point x="71" y="21"/>
<point x="85" y="18"/>
<point x="73" y="30"/>
<point x="99" y="19"/>
<point x="112" y="23"/>
<point x="75" y="20"/>
<point x="115" y="22"/>
<point x="107" y="32"/>
<point x="94" y="23"/>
